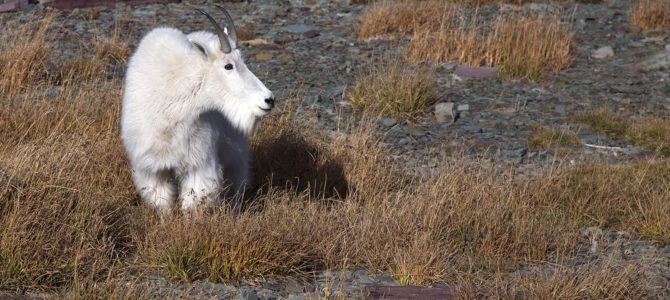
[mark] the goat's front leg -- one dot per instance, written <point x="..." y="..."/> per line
<point x="155" y="188"/>
<point x="199" y="186"/>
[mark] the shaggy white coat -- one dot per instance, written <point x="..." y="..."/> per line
<point x="185" y="119"/>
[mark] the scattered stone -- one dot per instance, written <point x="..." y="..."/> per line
<point x="285" y="57"/>
<point x="410" y="292"/>
<point x="657" y="61"/>
<point x="263" y="56"/>
<point x="654" y="39"/>
<point x="603" y="52"/>
<point x="311" y="33"/>
<point x="560" y="109"/>
<point x="248" y="294"/>
<point x="417" y="132"/>
<point x="444" y="112"/>
<point x="255" y="42"/>
<point x="463" y="71"/>
<point x="463" y="107"/>
<point x="313" y="99"/>
<point x="388" y="122"/>
<point x="541" y="7"/>
<point x="13" y="5"/>
<point x="299" y="28"/>
<point x="386" y="280"/>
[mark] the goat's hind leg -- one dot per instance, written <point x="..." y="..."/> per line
<point x="156" y="188"/>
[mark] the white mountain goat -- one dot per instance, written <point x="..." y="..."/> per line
<point x="189" y="106"/>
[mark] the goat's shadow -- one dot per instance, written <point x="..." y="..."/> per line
<point x="284" y="159"/>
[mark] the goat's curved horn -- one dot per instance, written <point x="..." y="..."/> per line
<point x="229" y="24"/>
<point x="223" y="39"/>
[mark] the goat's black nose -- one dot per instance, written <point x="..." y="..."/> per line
<point x="270" y="101"/>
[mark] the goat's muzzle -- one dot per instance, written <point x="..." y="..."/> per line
<point x="270" y="101"/>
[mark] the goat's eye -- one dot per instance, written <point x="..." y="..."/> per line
<point x="229" y="66"/>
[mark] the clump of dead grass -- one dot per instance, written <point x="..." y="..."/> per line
<point x="389" y="17"/>
<point x="650" y="15"/>
<point x="22" y="54"/>
<point x="68" y="219"/>
<point x="650" y="133"/>
<point x="548" y="138"/>
<point x="653" y="134"/>
<point x="518" y="45"/>
<point x="394" y="88"/>
<point x="606" y="278"/>
<point x="605" y="121"/>
<point x="523" y="46"/>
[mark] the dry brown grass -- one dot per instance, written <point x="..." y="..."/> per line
<point x="548" y="138"/>
<point x="651" y="133"/>
<point x="72" y="221"/>
<point x="23" y="54"/>
<point x="518" y="45"/>
<point x="394" y="88"/>
<point x="650" y="15"/>
<point x="388" y="17"/>
<point x="605" y="121"/>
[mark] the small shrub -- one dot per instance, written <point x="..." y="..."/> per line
<point x="394" y="88"/>
<point x="603" y="120"/>
<point x="517" y="46"/>
<point x="653" y="134"/>
<point x="405" y="16"/>
<point x="651" y="15"/>
<point x="548" y="138"/>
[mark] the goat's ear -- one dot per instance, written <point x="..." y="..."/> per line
<point x="200" y="49"/>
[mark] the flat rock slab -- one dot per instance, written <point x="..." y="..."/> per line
<point x="13" y="5"/>
<point x="71" y="4"/>
<point x="475" y="72"/>
<point x="410" y="292"/>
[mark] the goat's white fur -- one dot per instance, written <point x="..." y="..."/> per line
<point x="185" y="119"/>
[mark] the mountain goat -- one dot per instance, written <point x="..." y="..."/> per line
<point x="189" y="105"/>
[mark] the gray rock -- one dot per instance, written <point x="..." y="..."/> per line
<point x="299" y="28"/>
<point x="560" y="109"/>
<point x="386" y="279"/>
<point x="363" y="277"/>
<point x="541" y="7"/>
<point x="603" y="52"/>
<point x="389" y="122"/>
<point x="248" y="294"/>
<point x="515" y="153"/>
<point x="444" y="112"/>
<point x="417" y="132"/>
<point x="463" y="107"/>
<point x="313" y="99"/>
<point x="657" y="61"/>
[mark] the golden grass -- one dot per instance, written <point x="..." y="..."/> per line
<point x="388" y="17"/>
<point x="394" y="88"/>
<point x="549" y="138"/>
<point x="518" y="45"/>
<point x="650" y="15"/>
<point x="71" y="221"/>
<point x="651" y="133"/>
<point x="23" y="54"/>
<point x="605" y="121"/>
